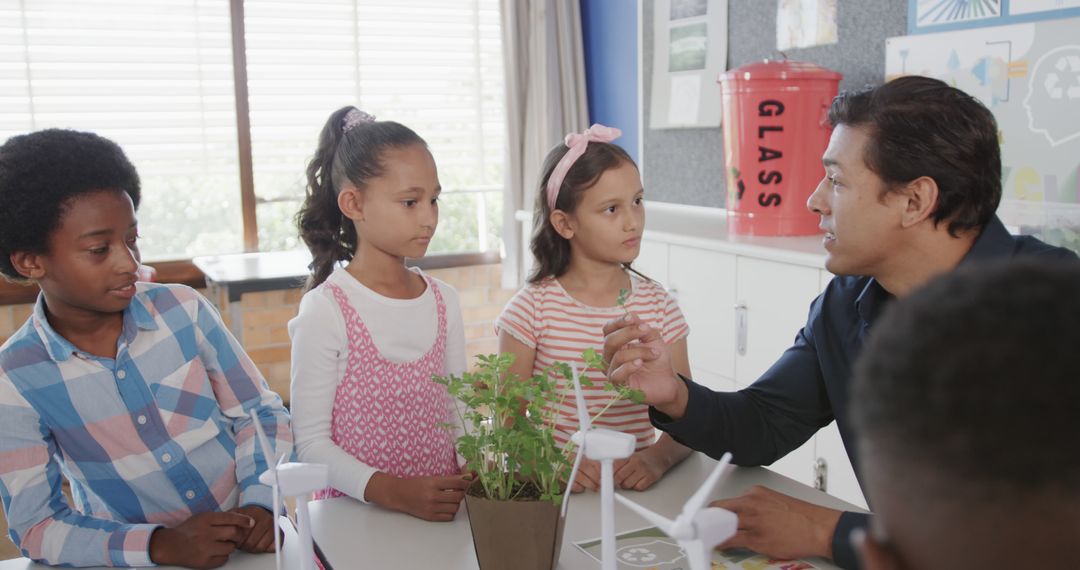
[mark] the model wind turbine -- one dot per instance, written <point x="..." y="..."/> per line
<point x="291" y="480"/>
<point x="697" y="530"/>
<point x="605" y="446"/>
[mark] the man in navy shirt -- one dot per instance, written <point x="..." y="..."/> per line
<point x="912" y="181"/>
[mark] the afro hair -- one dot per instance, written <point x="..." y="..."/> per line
<point x="41" y="173"/>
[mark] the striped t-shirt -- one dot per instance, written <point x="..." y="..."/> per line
<point x="545" y="317"/>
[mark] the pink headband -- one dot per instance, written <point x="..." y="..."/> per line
<point x="577" y="143"/>
<point x="355" y="117"/>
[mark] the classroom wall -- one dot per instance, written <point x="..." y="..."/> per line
<point x="685" y="166"/>
<point x="609" y="30"/>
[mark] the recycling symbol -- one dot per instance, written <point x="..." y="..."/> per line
<point x="638" y="554"/>
<point x="1053" y="96"/>
<point x="650" y="554"/>
<point x="1063" y="81"/>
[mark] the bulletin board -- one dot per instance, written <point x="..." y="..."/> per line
<point x="686" y="166"/>
<point x="1028" y="75"/>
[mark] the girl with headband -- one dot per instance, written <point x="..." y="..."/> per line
<point x="588" y="223"/>
<point x="371" y="332"/>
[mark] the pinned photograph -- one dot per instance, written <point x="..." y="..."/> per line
<point x="688" y="48"/>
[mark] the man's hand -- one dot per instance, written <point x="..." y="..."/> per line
<point x="780" y="526"/>
<point x="430" y="498"/>
<point x="638" y="357"/>
<point x="203" y="541"/>
<point x="261" y="537"/>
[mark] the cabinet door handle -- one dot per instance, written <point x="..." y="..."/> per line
<point x="740" y="328"/>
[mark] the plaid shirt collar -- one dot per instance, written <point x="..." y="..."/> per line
<point x="136" y="316"/>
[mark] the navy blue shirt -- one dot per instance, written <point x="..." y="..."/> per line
<point x="807" y="388"/>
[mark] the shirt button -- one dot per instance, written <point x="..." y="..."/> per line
<point x="142" y="421"/>
<point x="166" y="457"/>
<point x="121" y="374"/>
<point x="190" y="495"/>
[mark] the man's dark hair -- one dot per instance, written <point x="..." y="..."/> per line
<point x="41" y="172"/>
<point x="920" y="126"/>
<point x="976" y="378"/>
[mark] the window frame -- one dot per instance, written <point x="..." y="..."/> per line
<point x="185" y="272"/>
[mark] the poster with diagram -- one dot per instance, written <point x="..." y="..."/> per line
<point x="805" y="23"/>
<point x="1039" y="6"/>
<point x="941" y="15"/>
<point x="1028" y="75"/>
<point x="650" y="549"/>
<point x="689" y="52"/>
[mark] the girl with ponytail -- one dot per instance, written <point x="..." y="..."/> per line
<point x="371" y="332"/>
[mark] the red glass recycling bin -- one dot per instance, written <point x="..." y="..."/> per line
<point x="775" y="131"/>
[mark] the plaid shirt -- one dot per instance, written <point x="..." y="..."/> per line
<point x="148" y="439"/>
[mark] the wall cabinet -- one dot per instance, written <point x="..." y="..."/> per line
<point x="772" y="303"/>
<point x="702" y="281"/>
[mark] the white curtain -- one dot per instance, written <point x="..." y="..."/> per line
<point x="545" y="99"/>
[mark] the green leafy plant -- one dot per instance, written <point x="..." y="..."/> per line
<point x="509" y="426"/>
<point x="624" y="295"/>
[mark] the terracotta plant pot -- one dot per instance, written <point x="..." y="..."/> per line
<point x="514" y="535"/>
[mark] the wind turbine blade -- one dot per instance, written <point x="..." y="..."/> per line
<point x="697" y="500"/>
<point x="715" y="526"/>
<point x="573" y="475"/>
<point x="277" y="524"/>
<point x="264" y="442"/>
<point x="584" y="422"/>
<point x="661" y="522"/>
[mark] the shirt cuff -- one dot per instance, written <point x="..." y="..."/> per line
<point x="695" y="407"/>
<point x="134" y="545"/>
<point x="843" y="550"/>
<point x="361" y="486"/>
<point x="258" y="494"/>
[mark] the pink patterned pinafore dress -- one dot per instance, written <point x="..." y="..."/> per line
<point x="387" y="414"/>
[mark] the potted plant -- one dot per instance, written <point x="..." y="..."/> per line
<point x="508" y="442"/>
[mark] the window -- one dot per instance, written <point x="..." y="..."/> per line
<point x="158" y="78"/>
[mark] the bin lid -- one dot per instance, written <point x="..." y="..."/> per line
<point x="779" y="69"/>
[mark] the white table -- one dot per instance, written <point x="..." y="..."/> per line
<point x="229" y="276"/>
<point x="353" y="535"/>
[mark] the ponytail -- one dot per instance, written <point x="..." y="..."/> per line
<point x="348" y="153"/>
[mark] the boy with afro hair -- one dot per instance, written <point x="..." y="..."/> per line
<point x="135" y="392"/>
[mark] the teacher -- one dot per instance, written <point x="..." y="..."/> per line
<point x="912" y="182"/>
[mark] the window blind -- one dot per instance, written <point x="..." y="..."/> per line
<point x="157" y="78"/>
<point x="433" y="65"/>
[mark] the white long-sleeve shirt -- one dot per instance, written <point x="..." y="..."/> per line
<point x="403" y="330"/>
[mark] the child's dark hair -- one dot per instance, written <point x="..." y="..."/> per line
<point x="343" y="157"/>
<point x="970" y="384"/>
<point x="551" y="250"/>
<point x="41" y="173"/>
